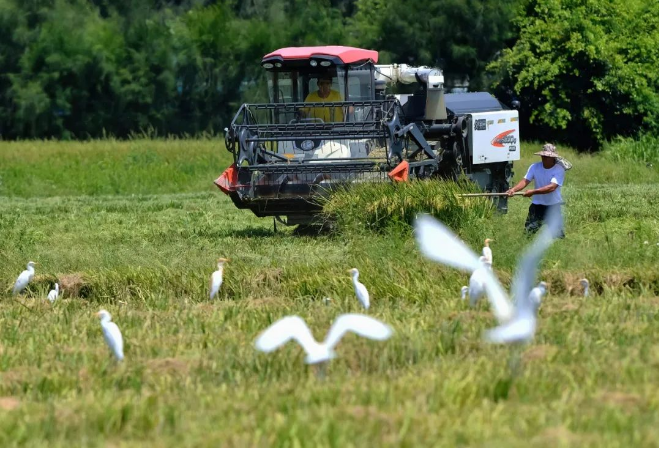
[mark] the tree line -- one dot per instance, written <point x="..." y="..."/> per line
<point x="583" y="70"/>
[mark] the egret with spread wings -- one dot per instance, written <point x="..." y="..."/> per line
<point x="518" y="321"/>
<point x="294" y="328"/>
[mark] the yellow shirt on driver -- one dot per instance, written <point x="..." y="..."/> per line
<point x="326" y="114"/>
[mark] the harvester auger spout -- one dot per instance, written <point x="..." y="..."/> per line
<point x="330" y="122"/>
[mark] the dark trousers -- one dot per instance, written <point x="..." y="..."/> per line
<point x="536" y="217"/>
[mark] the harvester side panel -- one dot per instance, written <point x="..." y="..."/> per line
<point x="494" y="137"/>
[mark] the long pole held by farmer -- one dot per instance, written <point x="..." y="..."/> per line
<point x="548" y="177"/>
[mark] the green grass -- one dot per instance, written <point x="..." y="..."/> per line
<point x="145" y="247"/>
<point x="644" y="150"/>
<point x="109" y="167"/>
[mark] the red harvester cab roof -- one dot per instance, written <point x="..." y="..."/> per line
<point x="346" y="54"/>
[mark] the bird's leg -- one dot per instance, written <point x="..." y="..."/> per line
<point x="321" y="370"/>
<point x="515" y="363"/>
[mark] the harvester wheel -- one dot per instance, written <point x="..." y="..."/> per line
<point x="501" y="177"/>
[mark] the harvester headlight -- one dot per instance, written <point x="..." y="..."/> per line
<point x="277" y="64"/>
<point x="325" y="63"/>
<point x="307" y="145"/>
<point x="313" y="63"/>
<point x="268" y="65"/>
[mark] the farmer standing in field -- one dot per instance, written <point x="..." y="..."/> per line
<point x="548" y="176"/>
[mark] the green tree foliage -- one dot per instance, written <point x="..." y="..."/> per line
<point x="78" y="69"/>
<point x="220" y="46"/>
<point x="15" y="36"/>
<point x="586" y="70"/>
<point x="83" y="75"/>
<point x="88" y="68"/>
<point x="460" y="36"/>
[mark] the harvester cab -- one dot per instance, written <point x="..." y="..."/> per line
<point x="330" y="122"/>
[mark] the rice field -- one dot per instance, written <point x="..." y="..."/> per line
<point x="135" y="227"/>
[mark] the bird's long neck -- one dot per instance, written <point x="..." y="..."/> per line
<point x="220" y="267"/>
<point x="585" y="290"/>
<point x="355" y="278"/>
<point x="56" y="288"/>
<point x="30" y="268"/>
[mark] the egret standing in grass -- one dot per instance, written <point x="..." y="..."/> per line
<point x="536" y="295"/>
<point x="24" y="278"/>
<point x="294" y="328"/>
<point x="360" y="289"/>
<point x="478" y="279"/>
<point x="463" y="292"/>
<point x="112" y="334"/>
<point x="216" y="277"/>
<point x="586" y="285"/>
<point x="487" y="251"/>
<point x="53" y="294"/>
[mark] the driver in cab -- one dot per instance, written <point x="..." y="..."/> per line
<point x="324" y="94"/>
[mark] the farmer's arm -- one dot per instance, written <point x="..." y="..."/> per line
<point x="520" y="185"/>
<point x="542" y="190"/>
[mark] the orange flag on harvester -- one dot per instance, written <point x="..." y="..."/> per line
<point x="228" y="180"/>
<point x="400" y="173"/>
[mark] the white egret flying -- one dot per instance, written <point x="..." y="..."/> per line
<point x="112" y="334"/>
<point x="586" y="285"/>
<point x="24" y="278"/>
<point x="294" y="328"/>
<point x="487" y="251"/>
<point x="439" y="243"/>
<point x="216" y="277"/>
<point x="53" y="294"/>
<point x="360" y="289"/>
<point x="521" y="328"/>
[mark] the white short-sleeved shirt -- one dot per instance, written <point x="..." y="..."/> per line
<point x="542" y="177"/>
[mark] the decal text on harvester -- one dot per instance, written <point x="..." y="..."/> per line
<point x="505" y="137"/>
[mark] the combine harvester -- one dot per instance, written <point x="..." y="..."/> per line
<point x="289" y="152"/>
